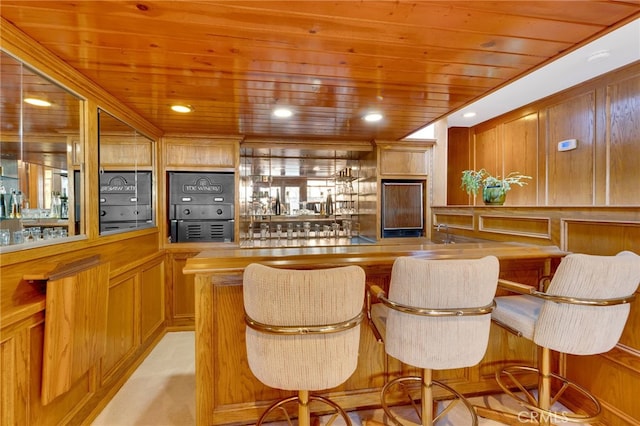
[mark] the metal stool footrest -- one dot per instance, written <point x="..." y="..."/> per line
<point x="510" y="384"/>
<point x="280" y="403"/>
<point x="404" y="384"/>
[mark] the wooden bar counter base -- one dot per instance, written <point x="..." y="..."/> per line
<point x="227" y="392"/>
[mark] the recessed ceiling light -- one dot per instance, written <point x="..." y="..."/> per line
<point x="282" y="112"/>
<point x="37" y="102"/>
<point x="469" y="114"/>
<point x="182" y="108"/>
<point x="372" y="117"/>
<point x="598" y="55"/>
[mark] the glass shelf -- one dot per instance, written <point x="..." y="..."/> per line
<point x="303" y="191"/>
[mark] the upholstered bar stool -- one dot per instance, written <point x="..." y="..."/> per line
<point x="303" y="331"/>
<point x="437" y="317"/>
<point x="582" y="312"/>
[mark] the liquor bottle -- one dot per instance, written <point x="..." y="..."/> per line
<point x="3" y="213"/>
<point x="329" y="207"/>
<point x="19" y="200"/>
<point x="278" y="206"/>
<point x="64" y="204"/>
<point x="3" y="192"/>
<point x="323" y="210"/>
<point x="16" y="204"/>
<point x="55" y="204"/>
<point x="287" y="203"/>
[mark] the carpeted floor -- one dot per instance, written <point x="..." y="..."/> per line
<point x="161" y="392"/>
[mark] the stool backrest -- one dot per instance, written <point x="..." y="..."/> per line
<point x="286" y="297"/>
<point x="440" y="342"/>
<point x="586" y="330"/>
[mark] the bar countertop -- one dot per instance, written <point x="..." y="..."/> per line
<point x="237" y="258"/>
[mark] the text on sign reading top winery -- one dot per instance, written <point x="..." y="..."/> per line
<point x="203" y="185"/>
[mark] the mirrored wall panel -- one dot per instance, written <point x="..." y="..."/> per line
<point x="126" y="176"/>
<point x="41" y="156"/>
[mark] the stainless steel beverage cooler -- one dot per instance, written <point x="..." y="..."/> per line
<point x="125" y="200"/>
<point x="201" y="206"/>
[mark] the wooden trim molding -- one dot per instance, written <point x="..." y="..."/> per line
<point x="593" y="230"/>
<point x="455" y="220"/>
<point x="535" y="227"/>
<point x="606" y="236"/>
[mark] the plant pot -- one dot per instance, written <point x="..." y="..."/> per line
<point x="493" y="195"/>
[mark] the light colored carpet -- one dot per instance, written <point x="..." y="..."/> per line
<point x="161" y="392"/>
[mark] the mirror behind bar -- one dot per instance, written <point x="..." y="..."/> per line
<point x="126" y="176"/>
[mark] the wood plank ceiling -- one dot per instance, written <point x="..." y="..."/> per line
<point x="329" y="61"/>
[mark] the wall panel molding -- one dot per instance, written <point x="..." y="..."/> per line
<point x="535" y="227"/>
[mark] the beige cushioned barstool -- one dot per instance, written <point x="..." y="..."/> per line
<point x="303" y="330"/>
<point x="582" y="312"/>
<point x="437" y="316"/>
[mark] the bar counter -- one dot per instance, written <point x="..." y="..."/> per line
<point x="227" y="392"/>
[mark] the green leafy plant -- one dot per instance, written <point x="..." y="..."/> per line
<point x="474" y="180"/>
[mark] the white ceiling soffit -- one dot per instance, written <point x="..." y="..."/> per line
<point x="623" y="46"/>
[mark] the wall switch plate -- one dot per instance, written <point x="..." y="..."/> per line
<point x="568" y="145"/>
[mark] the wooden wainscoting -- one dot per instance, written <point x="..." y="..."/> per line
<point x="134" y="322"/>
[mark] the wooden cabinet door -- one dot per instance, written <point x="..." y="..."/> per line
<point x="405" y="161"/>
<point x="8" y="378"/>
<point x="151" y="300"/>
<point x="122" y="338"/>
<point x="74" y="341"/>
<point x="185" y="153"/>
<point x="182" y="294"/>
<point x="123" y="151"/>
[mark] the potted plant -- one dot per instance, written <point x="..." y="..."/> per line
<point x="494" y="189"/>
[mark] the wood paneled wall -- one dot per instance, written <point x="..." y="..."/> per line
<point x="623" y="140"/>
<point x="135" y="314"/>
<point x="458" y="159"/>
<point x="488" y="151"/>
<point x="584" y="200"/>
<point x="602" y="115"/>
<point x="521" y="154"/>
<point x="571" y="174"/>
